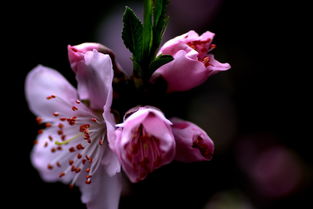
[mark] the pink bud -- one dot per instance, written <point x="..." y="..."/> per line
<point x="76" y="53"/>
<point x="94" y="73"/>
<point x="144" y="142"/>
<point x="193" y="63"/>
<point x="192" y="143"/>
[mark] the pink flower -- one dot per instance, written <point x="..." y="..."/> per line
<point x="192" y="65"/>
<point x="192" y="143"/>
<point x="73" y="148"/>
<point x="144" y="143"/>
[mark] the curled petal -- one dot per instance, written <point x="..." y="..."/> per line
<point x="192" y="143"/>
<point x="94" y="74"/>
<point x="183" y="73"/>
<point x="215" y="66"/>
<point x="181" y="42"/>
<point x="42" y="83"/>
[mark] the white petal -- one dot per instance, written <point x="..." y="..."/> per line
<point x="104" y="191"/>
<point x="42" y="82"/>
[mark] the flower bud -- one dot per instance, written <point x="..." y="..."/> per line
<point x="192" y="143"/>
<point x="193" y="63"/>
<point x="144" y="142"/>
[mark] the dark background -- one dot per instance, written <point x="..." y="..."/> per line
<point x="267" y="90"/>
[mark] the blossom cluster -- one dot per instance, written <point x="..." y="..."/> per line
<point x="85" y="143"/>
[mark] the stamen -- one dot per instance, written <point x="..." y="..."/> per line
<point x="55" y="114"/>
<point x="48" y="125"/>
<point x="71" y="149"/>
<point x="206" y="61"/>
<point x="88" y="181"/>
<point x="72" y="120"/>
<point x="39" y="120"/>
<point x="51" y="97"/>
<point x="77" y="101"/>
<point x="74" y="108"/>
<point x="63" y="119"/>
<point x="61" y="174"/>
<point x="63" y="137"/>
<point x="212" y="46"/>
<point x="60" y="125"/>
<point x="84" y="128"/>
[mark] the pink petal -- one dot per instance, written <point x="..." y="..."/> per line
<point x="43" y="82"/>
<point x="184" y="72"/>
<point x="215" y="66"/>
<point x="103" y="192"/>
<point x="111" y="163"/>
<point x="94" y="74"/>
<point x="192" y="143"/>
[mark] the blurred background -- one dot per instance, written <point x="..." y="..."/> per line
<point x="257" y="113"/>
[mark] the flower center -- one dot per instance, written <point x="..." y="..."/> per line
<point x="203" y="48"/>
<point x="76" y="138"/>
<point x="143" y="152"/>
<point x="199" y="143"/>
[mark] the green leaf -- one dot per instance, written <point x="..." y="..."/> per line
<point x="159" y="61"/>
<point x="159" y="10"/>
<point x="132" y="33"/>
<point x="160" y="21"/>
<point x="147" y="28"/>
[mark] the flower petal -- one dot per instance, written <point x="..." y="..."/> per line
<point x="184" y="67"/>
<point x="103" y="192"/>
<point x="215" y="66"/>
<point x="45" y="161"/>
<point x="94" y="74"/>
<point x="43" y="82"/>
<point x="111" y="163"/>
